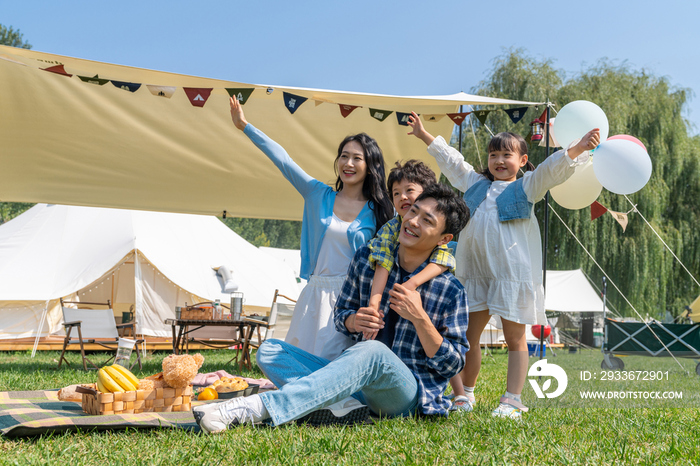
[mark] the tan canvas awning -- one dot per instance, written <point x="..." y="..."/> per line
<point x="80" y="132"/>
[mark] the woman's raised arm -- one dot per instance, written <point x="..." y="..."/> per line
<point x="301" y="180"/>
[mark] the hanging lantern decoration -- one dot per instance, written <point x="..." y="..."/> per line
<point x="537" y="130"/>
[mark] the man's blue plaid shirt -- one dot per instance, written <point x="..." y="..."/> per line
<point x="444" y="300"/>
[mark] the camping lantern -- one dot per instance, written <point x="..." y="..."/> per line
<point x="537" y="128"/>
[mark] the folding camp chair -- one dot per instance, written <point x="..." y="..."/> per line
<point x="269" y="325"/>
<point x="93" y="326"/>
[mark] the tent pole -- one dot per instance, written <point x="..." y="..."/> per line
<point x="461" y="109"/>
<point x="546" y="232"/>
<point x="41" y="326"/>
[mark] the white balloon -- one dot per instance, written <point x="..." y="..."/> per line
<point x="580" y="190"/>
<point x="577" y="118"/>
<point x="622" y="166"/>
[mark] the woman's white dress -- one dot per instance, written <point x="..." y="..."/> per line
<point x="312" y="328"/>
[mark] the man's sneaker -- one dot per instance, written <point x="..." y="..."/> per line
<point x="461" y="404"/>
<point x="509" y="408"/>
<point x="217" y="417"/>
<point x="345" y="412"/>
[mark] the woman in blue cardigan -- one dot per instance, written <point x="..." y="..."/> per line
<point x="336" y="222"/>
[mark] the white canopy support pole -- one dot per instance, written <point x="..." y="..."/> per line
<point x="41" y="325"/>
<point x="138" y="297"/>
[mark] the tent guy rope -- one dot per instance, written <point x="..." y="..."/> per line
<point x="614" y="285"/>
<point x="634" y="209"/>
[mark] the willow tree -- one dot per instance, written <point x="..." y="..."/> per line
<point x="649" y="108"/>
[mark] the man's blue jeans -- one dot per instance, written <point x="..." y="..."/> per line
<point x="369" y="371"/>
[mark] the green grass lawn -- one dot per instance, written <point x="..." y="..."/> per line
<point x="572" y="435"/>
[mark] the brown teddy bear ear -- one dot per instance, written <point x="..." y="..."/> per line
<point x="167" y="359"/>
<point x="199" y="360"/>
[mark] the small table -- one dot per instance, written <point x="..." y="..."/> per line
<point x="182" y="327"/>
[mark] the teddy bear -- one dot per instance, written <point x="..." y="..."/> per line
<point x="178" y="372"/>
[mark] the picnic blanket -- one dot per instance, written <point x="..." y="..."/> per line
<point x="31" y="413"/>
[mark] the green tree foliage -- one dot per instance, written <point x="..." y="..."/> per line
<point x="639" y="104"/>
<point x="9" y="36"/>
<point x="270" y="233"/>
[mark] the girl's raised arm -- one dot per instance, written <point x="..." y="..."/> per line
<point x="460" y="173"/>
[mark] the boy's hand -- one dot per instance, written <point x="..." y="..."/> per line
<point x="367" y="320"/>
<point x="418" y="130"/>
<point x="237" y="114"/>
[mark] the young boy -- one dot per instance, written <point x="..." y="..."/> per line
<point x="406" y="182"/>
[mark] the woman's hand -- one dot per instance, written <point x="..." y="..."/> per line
<point x="237" y="114"/>
<point x="418" y="130"/>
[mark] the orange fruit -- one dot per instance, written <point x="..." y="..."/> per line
<point x="208" y="394"/>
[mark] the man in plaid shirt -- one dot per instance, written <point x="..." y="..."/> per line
<point x="420" y="345"/>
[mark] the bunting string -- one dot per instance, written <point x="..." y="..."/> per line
<point x="198" y="97"/>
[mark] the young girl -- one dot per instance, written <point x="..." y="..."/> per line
<point x="336" y="222"/>
<point x="499" y="253"/>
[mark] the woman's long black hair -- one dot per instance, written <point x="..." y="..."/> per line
<point x="374" y="187"/>
<point x="511" y="142"/>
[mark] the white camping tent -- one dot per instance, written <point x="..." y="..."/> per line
<point x="291" y="257"/>
<point x="155" y="261"/>
<point x="570" y="291"/>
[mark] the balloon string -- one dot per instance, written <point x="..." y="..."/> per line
<point x="664" y="242"/>
<point x="615" y="286"/>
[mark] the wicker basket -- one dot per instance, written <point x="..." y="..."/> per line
<point x="197" y="313"/>
<point x="137" y="401"/>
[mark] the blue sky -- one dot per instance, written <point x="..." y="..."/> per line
<point x="400" y="48"/>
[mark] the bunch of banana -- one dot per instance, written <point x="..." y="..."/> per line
<point x="116" y="378"/>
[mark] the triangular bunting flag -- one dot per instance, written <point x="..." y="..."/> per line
<point x="458" y="118"/>
<point x="543" y="117"/>
<point x="293" y="102"/>
<point x="346" y="110"/>
<point x="241" y="94"/>
<point x="58" y="69"/>
<point x="433" y="117"/>
<point x="161" y="91"/>
<point x="597" y="209"/>
<point x="380" y="115"/>
<point x="131" y="87"/>
<point x="198" y="95"/>
<point x="621" y="219"/>
<point x="481" y="115"/>
<point x="516" y="114"/>
<point x="317" y="102"/>
<point x="403" y="118"/>
<point x="94" y="80"/>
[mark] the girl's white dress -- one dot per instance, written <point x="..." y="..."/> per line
<point x="500" y="263"/>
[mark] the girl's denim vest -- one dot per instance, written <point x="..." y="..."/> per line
<point x="512" y="203"/>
